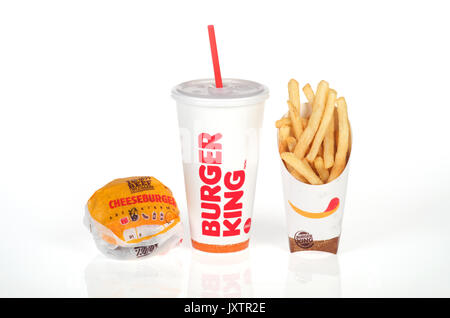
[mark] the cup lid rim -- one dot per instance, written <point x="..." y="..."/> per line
<point x="236" y="92"/>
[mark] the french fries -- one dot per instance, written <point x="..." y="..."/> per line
<point x="313" y="124"/>
<point x="322" y="140"/>
<point x="284" y="133"/>
<point x="326" y="118"/>
<point x="294" y="95"/>
<point x="296" y="123"/>
<point x="320" y="153"/>
<point x="291" y="142"/>
<point x="320" y="168"/>
<point x="309" y="93"/>
<point x="343" y="140"/>
<point x="304" y="121"/>
<point x="301" y="167"/>
<point x="285" y="121"/>
<point x="295" y="174"/>
<point x="328" y="146"/>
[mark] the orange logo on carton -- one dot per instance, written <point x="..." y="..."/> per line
<point x="332" y="207"/>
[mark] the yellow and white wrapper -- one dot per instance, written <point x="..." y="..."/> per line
<point x="133" y="218"/>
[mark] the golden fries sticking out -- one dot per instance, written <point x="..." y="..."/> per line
<point x="309" y="93"/>
<point x="302" y="167"/>
<point x="325" y="122"/>
<point x="322" y="140"/>
<point x="294" y="95"/>
<point x="342" y="147"/>
<point x="291" y="142"/>
<point x="320" y="168"/>
<point x="328" y="145"/>
<point x="314" y="120"/>
<point x="283" y="133"/>
<point x="296" y="123"/>
<point x="285" y="121"/>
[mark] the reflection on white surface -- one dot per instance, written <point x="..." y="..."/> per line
<point x="156" y="276"/>
<point x="220" y="275"/>
<point x="313" y="274"/>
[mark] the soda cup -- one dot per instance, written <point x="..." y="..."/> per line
<point x="219" y="131"/>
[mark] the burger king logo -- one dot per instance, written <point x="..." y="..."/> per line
<point x="303" y="239"/>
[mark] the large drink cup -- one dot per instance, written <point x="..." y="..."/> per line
<point x="219" y="130"/>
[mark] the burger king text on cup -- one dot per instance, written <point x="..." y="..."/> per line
<point x="212" y="194"/>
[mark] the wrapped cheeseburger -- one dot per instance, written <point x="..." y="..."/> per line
<point x="133" y="217"/>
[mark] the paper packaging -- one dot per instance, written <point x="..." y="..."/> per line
<point x="134" y="217"/>
<point x="219" y="130"/>
<point x="314" y="212"/>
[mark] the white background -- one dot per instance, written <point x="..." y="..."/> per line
<point x="85" y="98"/>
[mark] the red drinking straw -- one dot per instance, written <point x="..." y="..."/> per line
<point x="215" y="57"/>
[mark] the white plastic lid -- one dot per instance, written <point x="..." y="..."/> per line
<point x="235" y="92"/>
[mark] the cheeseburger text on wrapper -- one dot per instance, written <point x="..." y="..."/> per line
<point x="314" y="142"/>
<point x="134" y="217"/>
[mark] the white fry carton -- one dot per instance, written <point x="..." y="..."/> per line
<point x="314" y="212"/>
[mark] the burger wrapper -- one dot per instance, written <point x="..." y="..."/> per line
<point x="133" y="217"/>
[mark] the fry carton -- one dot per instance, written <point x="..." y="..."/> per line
<point x="314" y="212"/>
<point x="314" y="209"/>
